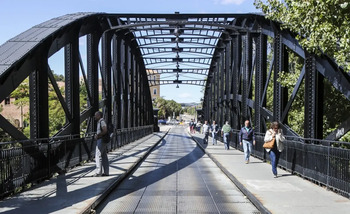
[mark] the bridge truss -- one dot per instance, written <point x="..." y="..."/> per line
<point x="228" y="54"/>
<point x="237" y="58"/>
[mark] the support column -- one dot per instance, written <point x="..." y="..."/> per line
<point x="313" y="127"/>
<point x="247" y="67"/>
<point x="106" y="76"/>
<point x="118" y="62"/>
<point x="237" y="58"/>
<point x="260" y="79"/>
<point x="72" y="84"/>
<point x="228" y="74"/>
<point x="39" y="107"/>
<point x="92" y="77"/>
<point x="221" y="84"/>
<point x="280" y="97"/>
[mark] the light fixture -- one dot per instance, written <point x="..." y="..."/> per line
<point x="177" y="86"/>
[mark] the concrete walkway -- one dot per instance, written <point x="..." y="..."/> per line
<point x="78" y="191"/>
<point x="286" y="194"/>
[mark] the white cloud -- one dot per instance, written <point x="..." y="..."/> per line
<point x="226" y="2"/>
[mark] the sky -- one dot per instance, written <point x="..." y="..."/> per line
<point x="17" y="16"/>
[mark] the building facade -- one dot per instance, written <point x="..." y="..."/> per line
<point x="153" y="79"/>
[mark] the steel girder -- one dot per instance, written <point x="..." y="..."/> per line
<point x="178" y="42"/>
<point x="251" y="71"/>
<point x="124" y="87"/>
<point x="235" y="90"/>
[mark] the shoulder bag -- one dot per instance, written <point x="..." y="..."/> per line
<point x="269" y="144"/>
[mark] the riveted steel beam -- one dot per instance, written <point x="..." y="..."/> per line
<point x="313" y="99"/>
<point x="260" y="80"/>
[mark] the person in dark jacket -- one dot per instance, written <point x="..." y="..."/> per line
<point x="247" y="138"/>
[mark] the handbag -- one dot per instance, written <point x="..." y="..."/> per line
<point x="269" y="144"/>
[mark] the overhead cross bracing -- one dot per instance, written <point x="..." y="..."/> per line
<point x="237" y="57"/>
<point x="178" y="44"/>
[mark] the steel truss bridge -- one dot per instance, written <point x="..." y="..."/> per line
<point x="233" y="56"/>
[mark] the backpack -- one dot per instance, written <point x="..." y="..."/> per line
<point x="110" y="131"/>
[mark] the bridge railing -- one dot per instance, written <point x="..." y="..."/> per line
<point x="324" y="162"/>
<point x="25" y="163"/>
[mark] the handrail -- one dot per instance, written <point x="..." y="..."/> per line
<point x="25" y="163"/>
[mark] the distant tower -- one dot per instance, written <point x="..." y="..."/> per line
<point x="153" y="79"/>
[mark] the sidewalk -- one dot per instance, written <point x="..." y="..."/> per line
<point x="286" y="194"/>
<point x="78" y="191"/>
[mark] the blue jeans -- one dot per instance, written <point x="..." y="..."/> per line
<point x="274" y="156"/>
<point x="213" y="134"/>
<point x="247" y="148"/>
<point x="227" y="140"/>
<point x="101" y="158"/>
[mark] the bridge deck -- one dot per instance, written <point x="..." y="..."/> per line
<point x="77" y="190"/>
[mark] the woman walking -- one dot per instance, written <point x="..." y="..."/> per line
<point x="275" y="132"/>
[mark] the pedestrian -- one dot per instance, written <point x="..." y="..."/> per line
<point x="277" y="133"/>
<point x="101" y="158"/>
<point x="198" y="126"/>
<point x="194" y="127"/>
<point x="226" y="130"/>
<point x="205" y="130"/>
<point x="191" y="126"/>
<point x="247" y="138"/>
<point x="214" y="132"/>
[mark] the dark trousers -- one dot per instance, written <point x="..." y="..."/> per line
<point x="205" y="139"/>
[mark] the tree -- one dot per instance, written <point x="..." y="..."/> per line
<point x="167" y="107"/>
<point x="57" y="115"/>
<point x="322" y="26"/>
<point x="190" y="110"/>
<point x="21" y="95"/>
<point x="83" y="93"/>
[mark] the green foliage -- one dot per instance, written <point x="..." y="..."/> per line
<point x="288" y="80"/>
<point x="21" y="94"/>
<point x="58" y="77"/>
<point x="57" y="115"/>
<point x="345" y="138"/>
<point x="83" y="96"/>
<point x="269" y="93"/>
<point x="336" y="108"/>
<point x="167" y="107"/>
<point x="56" y="112"/>
<point x="190" y="110"/>
<point x="322" y="26"/>
<point x="83" y="104"/>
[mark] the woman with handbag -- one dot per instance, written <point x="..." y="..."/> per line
<point x="274" y="145"/>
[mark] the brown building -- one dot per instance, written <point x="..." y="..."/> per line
<point x="153" y="77"/>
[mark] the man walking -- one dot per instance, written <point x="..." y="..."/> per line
<point x="101" y="158"/>
<point x="226" y="129"/>
<point x="205" y="130"/>
<point x="214" y="131"/>
<point x="247" y="136"/>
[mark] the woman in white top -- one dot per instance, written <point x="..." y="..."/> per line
<point x="275" y="132"/>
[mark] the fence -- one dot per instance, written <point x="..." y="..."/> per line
<point x="27" y="162"/>
<point x="324" y="162"/>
